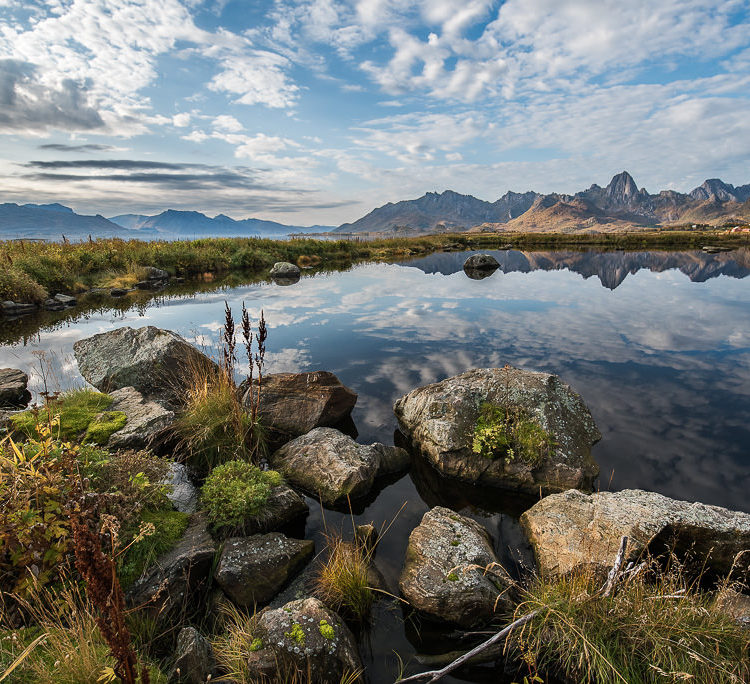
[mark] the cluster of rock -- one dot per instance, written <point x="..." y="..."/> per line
<point x="451" y="573"/>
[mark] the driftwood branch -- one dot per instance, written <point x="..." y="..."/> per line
<point x="614" y="573"/>
<point x="438" y="674"/>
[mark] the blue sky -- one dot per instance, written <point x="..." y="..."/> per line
<point x="317" y="111"/>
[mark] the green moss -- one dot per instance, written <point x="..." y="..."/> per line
<point x="235" y="492"/>
<point x="508" y="432"/>
<point x="326" y="630"/>
<point x="455" y="542"/>
<point x="452" y="577"/>
<point x="169" y="526"/>
<point x="297" y="634"/>
<point x="256" y="645"/>
<point x="76" y="410"/>
<point x="104" y="426"/>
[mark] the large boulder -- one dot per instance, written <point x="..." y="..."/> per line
<point x="481" y="262"/>
<point x="292" y="404"/>
<point x="151" y="360"/>
<point x="254" y="569"/>
<point x="306" y="636"/>
<point x="573" y="530"/>
<point x="178" y="578"/>
<point x="194" y="658"/>
<point x="13" y="392"/>
<point x="444" y="575"/>
<point x="330" y="464"/>
<point x="283" y="269"/>
<point x="444" y="419"/>
<point x="146" y="419"/>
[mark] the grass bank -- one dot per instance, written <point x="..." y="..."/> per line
<point x="34" y="270"/>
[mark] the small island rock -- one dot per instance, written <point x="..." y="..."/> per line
<point x="481" y="262"/>
<point x="283" y="269"/>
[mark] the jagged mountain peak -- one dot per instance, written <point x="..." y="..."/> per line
<point x="622" y="188"/>
<point x="715" y="189"/>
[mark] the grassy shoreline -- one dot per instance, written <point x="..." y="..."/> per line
<point x="32" y="271"/>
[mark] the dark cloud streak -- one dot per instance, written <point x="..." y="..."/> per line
<point x="88" y="147"/>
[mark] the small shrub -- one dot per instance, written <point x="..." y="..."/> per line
<point x="236" y="492"/>
<point x="18" y="286"/>
<point x="508" y="432"/>
<point x="341" y="582"/>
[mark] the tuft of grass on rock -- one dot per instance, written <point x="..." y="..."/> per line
<point x="508" y="432"/>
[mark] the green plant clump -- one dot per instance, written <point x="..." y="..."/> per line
<point x="235" y="492"/>
<point x="104" y="426"/>
<point x="326" y="630"/>
<point x="297" y="634"/>
<point x="507" y="432"/>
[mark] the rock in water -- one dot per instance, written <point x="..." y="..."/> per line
<point x="283" y="269"/>
<point x="13" y="392"/>
<point x="330" y="464"/>
<point x="151" y="360"/>
<point x="442" y="420"/>
<point x="574" y="530"/>
<point x="292" y="404"/>
<point x="146" y="420"/>
<point x="254" y="569"/>
<point x="481" y="262"/>
<point x="307" y="635"/>
<point x="444" y="576"/>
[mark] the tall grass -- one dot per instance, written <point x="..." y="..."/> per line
<point x="656" y="627"/>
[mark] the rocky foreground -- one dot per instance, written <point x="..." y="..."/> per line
<point x="504" y="428"/>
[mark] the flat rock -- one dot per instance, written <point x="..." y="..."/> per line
<point x="13" y="392"/>
<point x="283" y="269"/>
<point x="305" y="634"/>
<point x="178" y="578"/>
<point x="254" y="569"/>
<point x="441" y="418"/>
<point x="194" y="660"/>
<point x="65" y="300"/>
<point x="292" y="404"/>
<point x="574" y="530"/>
<point x="481" y="262"/>
<point x="151" y="360"/>
<point x="330" y="464"/>
<point x="146" y="419"/>
<point x="443" y="576"/>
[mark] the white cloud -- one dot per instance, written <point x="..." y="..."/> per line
<point x="227" y="123"/>
<point x="181" y="120"/>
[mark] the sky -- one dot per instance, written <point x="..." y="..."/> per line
<point x="317" y="111"/>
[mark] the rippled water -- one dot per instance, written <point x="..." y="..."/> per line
<point x="657" y="343"/>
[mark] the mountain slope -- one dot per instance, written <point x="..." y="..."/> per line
<point x="52" y="221"/>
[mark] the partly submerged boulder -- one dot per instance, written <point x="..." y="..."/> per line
<point x="306" y="635"/>
<point x="503" y="427"/>
<point x="283" y="269"/>
<point x="177" y="580"/>
<point x="254" y="569"/>
<point x="13" y="392"/>
<point x="481" y="262"/>
<point x="153" y="361"/>
<point x="444" y="575"/>
<point x="146" y="420"/>
<point x="573" y="530"/>
<point x="330" y="464"/>
<point x="292" y="404"/>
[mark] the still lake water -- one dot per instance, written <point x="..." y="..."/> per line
<point x="657" y="343"/>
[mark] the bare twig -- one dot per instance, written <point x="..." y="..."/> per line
<point x="439" y="674"/>
<point x="614" y="573"/>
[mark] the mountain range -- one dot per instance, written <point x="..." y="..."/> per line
<point x="620" y="205"/>
<point x="52" y="221"/>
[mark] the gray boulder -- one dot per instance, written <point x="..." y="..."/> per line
<point x="292" y="404"/>
<point x="303" y="635"/>
<point x="441" y="419"/>
<point x="13" y="392"/>
<point x="735" y="606"/>
<point x="283" y="269"/>
<point x="65" y="300"/>
<point x="194" y="662"/>
<point x="574" y="530"/>
<point x="330" y="464"/>
<point x="146" y="420"/>
<point x="177" y="579"/>
<point x="151" y="360"/>
<point x="254" y="569"/>
<point x="481" y="262"/>
<point x="182" y="492"/>
<point x="153" y="273"/>
<point x="444" y="574"/>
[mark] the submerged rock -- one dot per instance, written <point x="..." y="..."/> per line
<point x="292" y="404"/>
<point x="481" y="262"/>
<point x="444" y="419"/>
<point x="332" y="465"/>
<point x="305" y="634"/>
<point x="13" y="392"/>
<point x="254" y="569"/>
<point x="152" y="360"/>
<point x="177" y="580"/>
<point x="146" y="420"/>
<point x="574" y="530"/>
<point x="17" y="308"/>
<point x="444" y="575"/>
<point x="194" y="660"/>
<point x="283" y="269"/>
